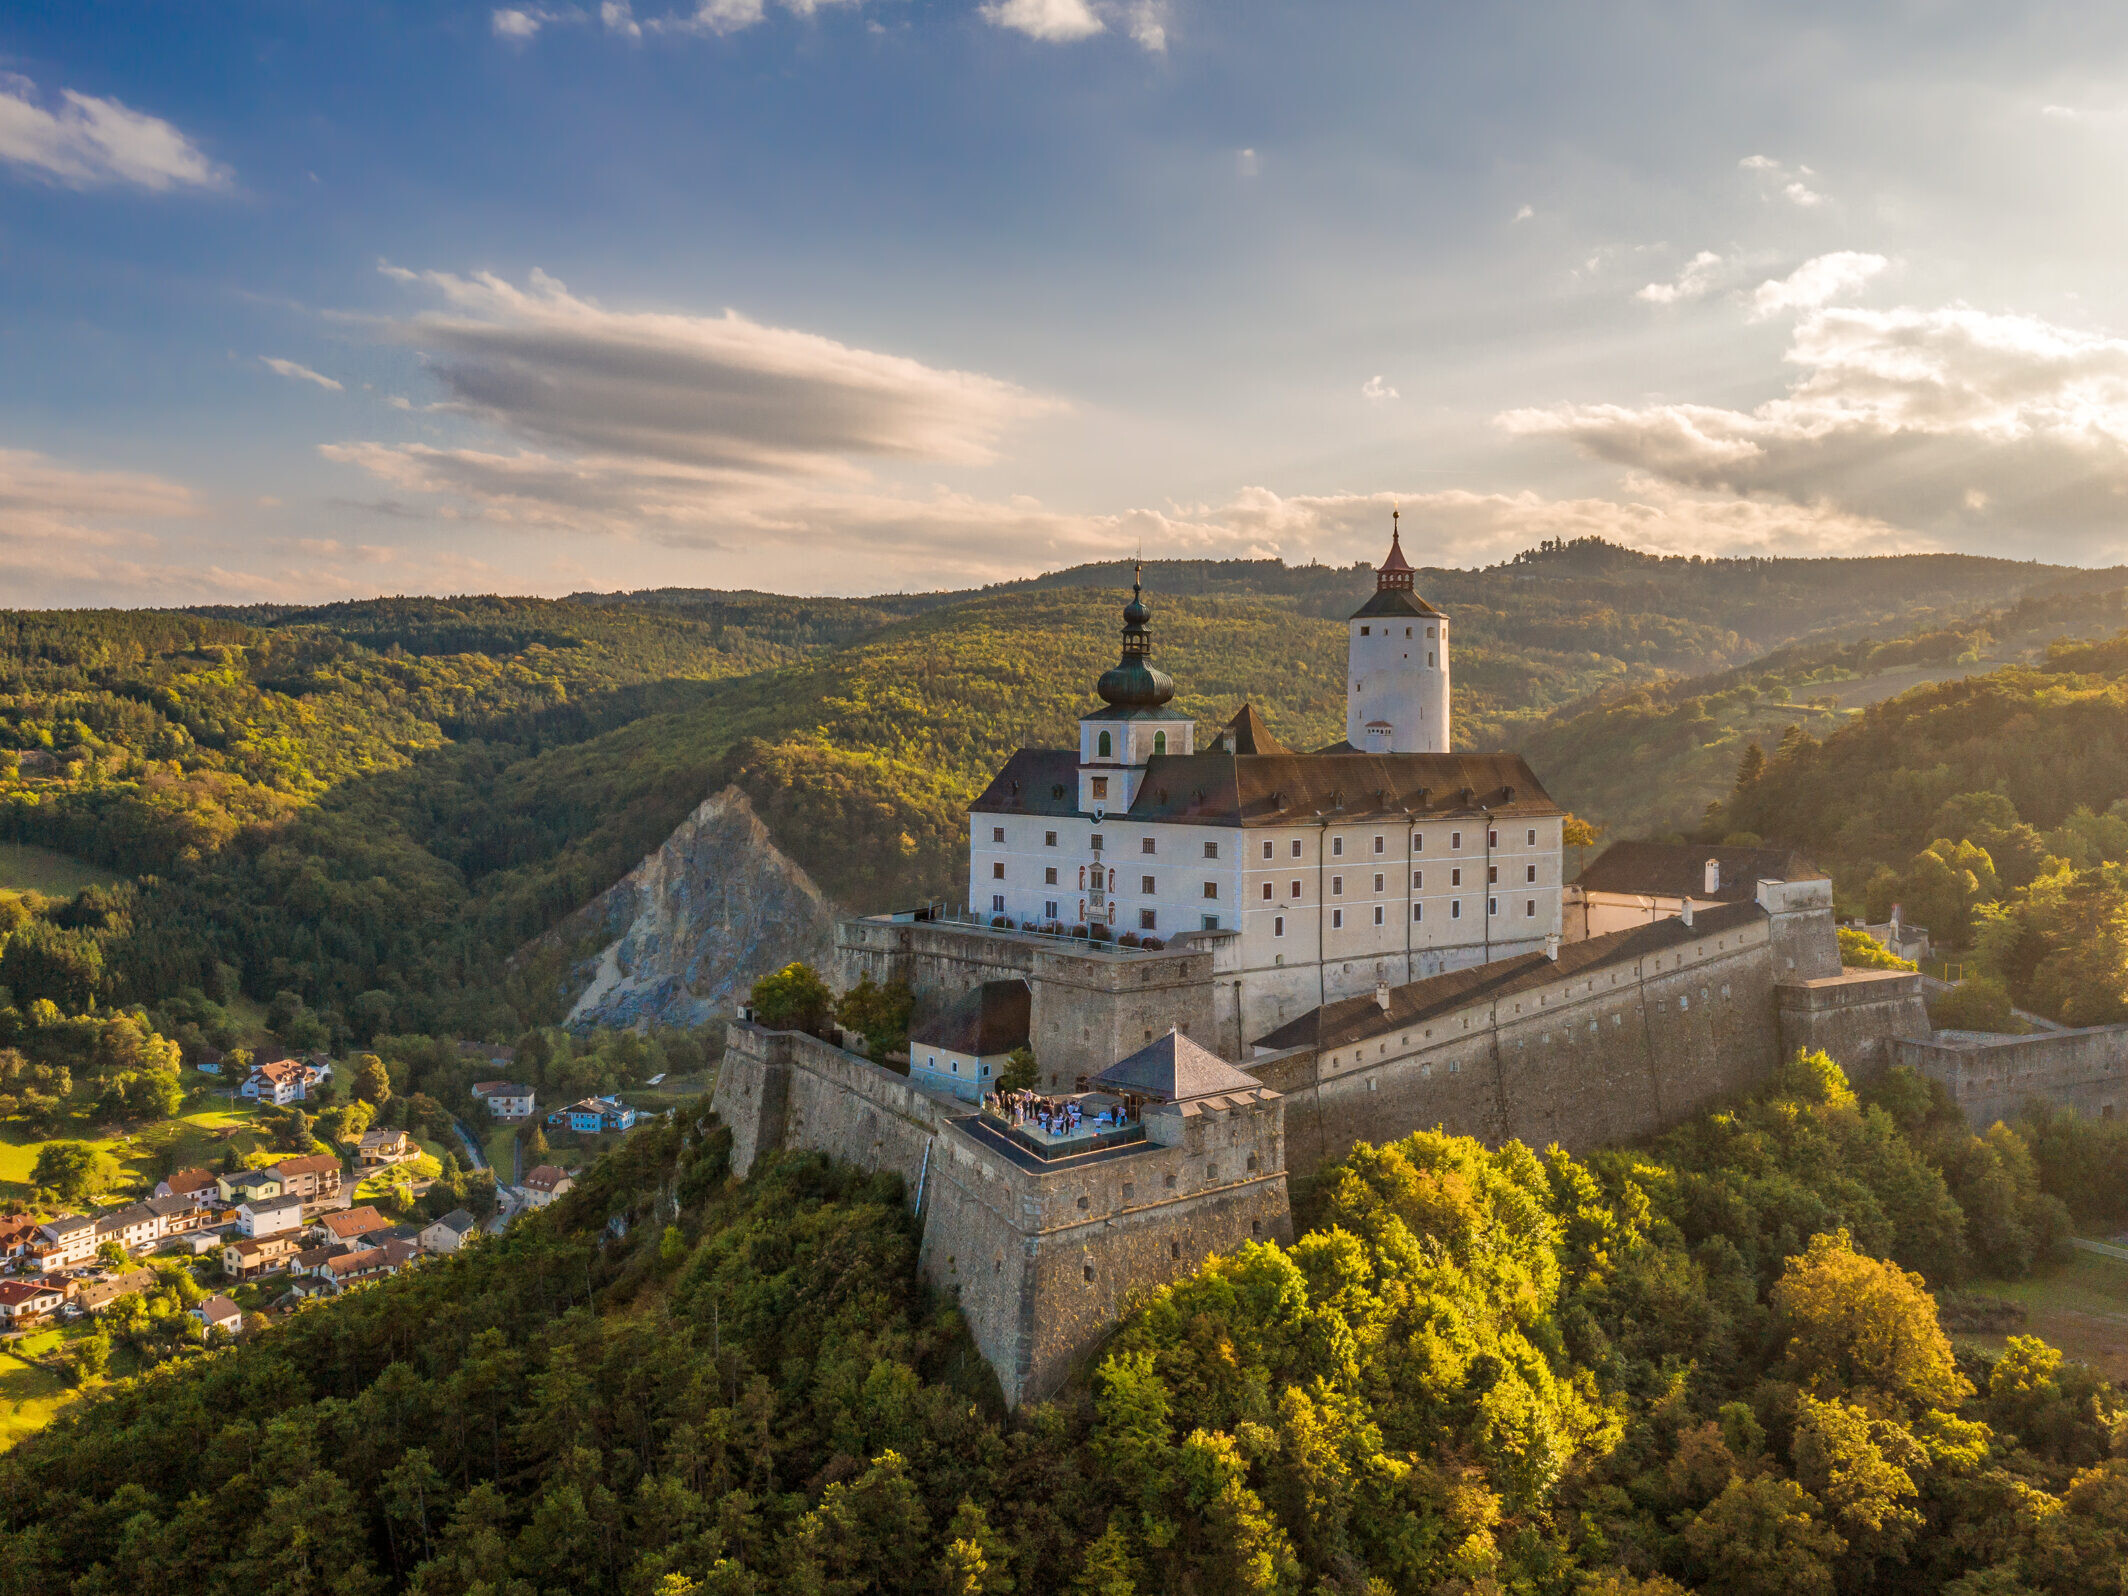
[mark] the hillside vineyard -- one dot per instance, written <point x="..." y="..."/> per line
<point x="1380" y="858"/>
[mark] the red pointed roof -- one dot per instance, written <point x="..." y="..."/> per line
<point x="1396" y="560"/>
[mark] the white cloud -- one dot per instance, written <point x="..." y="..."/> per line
<point x="1056" y="21"/>
<point x="1525" y="213"/>
<point x="86" y="142"/>
<point x="1926" y="418"/>
<point x="1699" y="276"/>
<point x="1246" y="163"/>
<point x="619" y="17"/>
<point x="1377" y="389"/>
<point x="720" y="393"/>
<point x="288" y="368"/>
<point x="62" y="524"/>
<point x="1146" y="22"/>
<point x="1816" y="282"/>
<point x="511" y="23"/>
<point x="1788" y="182"/>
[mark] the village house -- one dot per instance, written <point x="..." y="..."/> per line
<point x="312" y="1177"/>
<point x="593" y="1115"/>
<point x="178" y="1214"/>
<point x="545" y="1184"/>
<point x="253" y="1256"/>
<point x="208" y="1061"/>
<point x="133" y="1227"/>
<point x="279" y="1083"/>
<point x="350" y="1224"/>
<point x="247" y="1184"/>
<point x="24" y="1302"/>
<point x="381" y="1147"/>
<point x="353" y="1268"/>
<point x="269" y="1216"/>
<point x="17" y="1236"/>
<point x="97" y="1295"/>
<point x="67" y="1240"/>
<point x="197" y="1186"/>
<point x="505" y="1099"/>
<point x="219" y="1313"/>
<point x="962" y="1050"/>
<point x="450" y="1232"/>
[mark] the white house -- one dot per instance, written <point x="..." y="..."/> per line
<point x="134" y="1226"/>
<point x="70" y="1239"/>
<point x="450" y="1232"/>
<point x="505" y="1099"/>
<point x="282" y="1082"/>
<point x="963" y="1049"/>
<point x="219" y="1313"/>
<point x="269" y="1216"/>
<point x="24" y="1300"/>
<point x="545" y="1184"/>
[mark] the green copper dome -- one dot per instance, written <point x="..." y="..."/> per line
<point x="1132" y="683"/>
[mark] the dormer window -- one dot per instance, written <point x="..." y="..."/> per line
<point x="1104" y="747"/>
<point x="1159" y="742"/>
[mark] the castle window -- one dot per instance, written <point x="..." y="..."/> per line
<point x="1529" y="873"/>
<point x="1337" y="886"/>
<point x="1089" y="1274"/>
<point x="1529" y="910"/>
<point x="1049" y="876"/>
<point x="1097" y="842"/>
<point x="1378" y="881"/>
<point x="1455" y="908"/>
<point x="1455" y="839"/>
<point x="997" y="833"/>
<point x="1100" y="784"/>
<point x="1145" y="885"/>
<point x="1378" y="845"/>
<point x="1267" y="892"/>
<point x="1256" y="1225"/>
<point x="1492" y="839"/>
<point x="1174" y="1248"/>
<point x="1269" y="848"/>
<point x="1418" y="913"/>
<point x="1429" y="633"/>
<point x="1455" y="877"/>
<point x="1049" y="839"/>
<point x="1337" y="847"/>
<point x="1378" y="914"/>
<point x="1492" y="905"/>
<point x="997" y="903"/>
<point x="1211" y="850"/>
<point x="1278" y="925"/>
<point x="1211" y="922"/>
<point x="1363" y="631"/>
<point x="1337" y="919"/>
<point x="1429" y="656"/>
<point x="1159" y="742"/>
<point x="1105" y="747"/>
<point x="1533" y="836"/>
<point x="1295" y="890"/>
<point x="1147" y="920"/>
<point x="1418" y="880"/>
<point x="1211" y="889"/>
<point x="1407" y="631"/>
<point x="997" y="871"/>
<point x="1492" y="875"/>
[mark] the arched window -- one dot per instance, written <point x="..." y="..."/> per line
<point x="1103" y="747"/>
<point x="1082" y="878"/>
<point x="1159" y="742"/>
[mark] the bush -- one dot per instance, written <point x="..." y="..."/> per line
<point x="793" y="999"/>
<point x="1979" y="1004"/>
<point x="1861" y="951"/>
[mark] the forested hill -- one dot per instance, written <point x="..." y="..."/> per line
<point x="385" y="799"/>
<point x="1715" y="1363"/>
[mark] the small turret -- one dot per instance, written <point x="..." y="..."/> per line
<point x="1397" y="684"/>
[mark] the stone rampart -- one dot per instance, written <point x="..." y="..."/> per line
<point x="1854" y="1016"/>
<point x="1991" y="1078"/>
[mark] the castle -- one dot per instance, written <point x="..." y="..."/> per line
<point x="1243" y="959"/>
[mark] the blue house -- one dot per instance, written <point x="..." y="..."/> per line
<point x="595" y="1114"/>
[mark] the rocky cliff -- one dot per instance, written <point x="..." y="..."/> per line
<point x="682" y="936"/>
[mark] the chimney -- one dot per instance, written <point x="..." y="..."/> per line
<point x="1688" y="914"/>
<point x="1551" y="946"/>
<point x="1381" y="996"/>
<point x="1897" y="921"/>
<point x="1714" y="877"/>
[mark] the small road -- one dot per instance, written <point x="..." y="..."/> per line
<point x="505" y="1195"/>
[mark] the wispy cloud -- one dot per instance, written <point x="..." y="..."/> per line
<point x="1791" y="183"/>
<point x="1700" y="276"/>
<point x="83" y="141"/>
<point x="289" y="368"/>
<point x="1817" y="282"/>
<point x="1377" y="389"/>
<point x="1058" y="21"/>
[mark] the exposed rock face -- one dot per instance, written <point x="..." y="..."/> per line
<point x="692" y="927"/>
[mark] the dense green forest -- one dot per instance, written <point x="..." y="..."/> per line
<point x="374" y="805"/>
<point x="1715" y="1362"/>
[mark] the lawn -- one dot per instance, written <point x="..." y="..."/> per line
<point x="500" y="1148"/>
<point x="198" y="1136"/>
<point x="31" y="1393"/>
<point x="2080" y="1306"/>
<point x="24" y="867"/>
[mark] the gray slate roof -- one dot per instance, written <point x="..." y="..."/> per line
<point x="1679" y="870"/>
<point x="1174" y="1069"/>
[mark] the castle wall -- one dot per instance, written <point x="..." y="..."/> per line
<point x="1991" y="1078"/>
<point x="1854" y="1016"/>
<point x="812" y="1095"/>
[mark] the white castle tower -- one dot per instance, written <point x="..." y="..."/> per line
<point x="1396" y="671"/>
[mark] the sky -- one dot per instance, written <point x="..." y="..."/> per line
<point x="310" y="301"/>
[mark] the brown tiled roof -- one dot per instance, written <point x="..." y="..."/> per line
<point x="352" y="1263"/>
<point x="306" y="1164"/>
<point x="1295" y="789"/>
<point x="1357" y="1018"/>
<point x="1679" y="870"/>
<point x="546" y="1178"/>
<point x="989" y="1020"/>
<point x="13" y="1293"/>
<point x="217" y="1308"/>
<point x="1173" y="1069"/>
<point x="1252" y="733"/>
<point x="354" y="1221"/>
<point x="191" y="1180"/>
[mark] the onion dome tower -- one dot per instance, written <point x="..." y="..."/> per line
<point x="1134" y="724"/>
<point x="1396" y="672"/>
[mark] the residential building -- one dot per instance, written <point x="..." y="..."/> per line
<point x="1638" y="883"/>
<point x="26" y="1301"/>
<point x="197" y="1186"/>
<point x="312" y="1177"/>
<point x="593" y="1115"/>
<point x="353" y="1268"/>
<point x="219" y="1313"/>
<point x="135" y="1227"/>
<point x="505" y="1099"/>
<point x="963" y="1048"/>
<point x="261" y="1255"/>
<point x="279" y="1083"/>
<point x="269" y="1216"/>
<point x="247" y="1184"/>
<point x="208" y="1061"/>
<point x="350" y="1224"/>
<point x="178" y="1214"/>
<point x="100" y="1294"/>
<point x="380" y="1147"/>
<point x="70" y="1239"/>
<point x="450" y="1232"/>
<point x="17" y="1236"/>
<point x="545" y="1184"/>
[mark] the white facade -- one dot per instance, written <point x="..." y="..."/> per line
<point x="943" y="1069"/>
<point x="269" y="1216"/>
<point x="1396" y="684"/>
